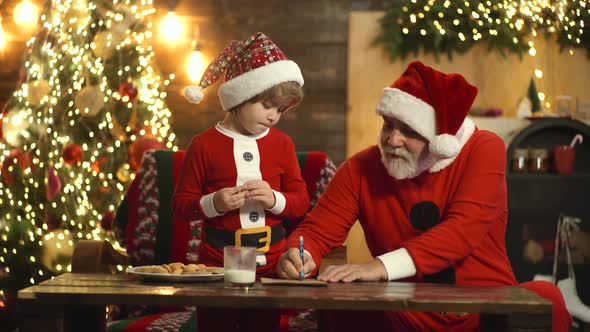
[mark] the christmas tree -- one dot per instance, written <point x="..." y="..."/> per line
<point x="533" y="96"/>
<point x="90" y="103"/>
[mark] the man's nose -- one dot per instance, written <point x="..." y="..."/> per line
<point x="396" y="138"/>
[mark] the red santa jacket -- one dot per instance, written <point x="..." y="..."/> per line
<point x="218" y="158"/>
<point x="451" y="221"/>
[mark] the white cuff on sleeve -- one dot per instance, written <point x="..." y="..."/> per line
<point x="280" y="203"/>
<point x="398" y="264"/>
<point x="208" y="207"/>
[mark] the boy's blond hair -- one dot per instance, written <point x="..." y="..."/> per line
<point x="286" y="91"/>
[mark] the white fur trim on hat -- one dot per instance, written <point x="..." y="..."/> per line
<point x="409" y="109"/>
<point x="444" y="146"/>
<point x="194" y="94"/>
<point x="251" y="83"/>
<point x="463" y="135"/>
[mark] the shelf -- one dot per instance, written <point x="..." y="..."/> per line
<point x="548" y="176"/>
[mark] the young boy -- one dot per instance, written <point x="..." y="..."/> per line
<point x="241" y="176"/>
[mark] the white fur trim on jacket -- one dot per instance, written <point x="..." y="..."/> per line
<point x="409" y="109"/>
<point x="280" y="203"/>
<point x="465" y="132"/>
<point x="249" y="84"/>
<point x="398" y="264"/>
<point x="208" y="206"/>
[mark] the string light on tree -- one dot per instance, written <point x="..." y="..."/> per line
<point x="90" y="87"/>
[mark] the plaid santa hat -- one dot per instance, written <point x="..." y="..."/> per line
<point x="432" y="103"/>
<point x="251" y="67"/>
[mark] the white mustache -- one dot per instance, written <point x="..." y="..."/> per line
<point x="399" y="152"/>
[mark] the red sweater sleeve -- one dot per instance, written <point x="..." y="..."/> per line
<point x="293" y="186"/>
<point x="188" y="191"/>
<point x="327" y="225"/>
<point x="478" y="203"/>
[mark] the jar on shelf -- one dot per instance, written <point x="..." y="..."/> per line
<point x="538" y="161"/>
<point x="519" y="162"/>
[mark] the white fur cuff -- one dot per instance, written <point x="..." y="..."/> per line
<point x="208" y="206"/>
<point x="398" y="264"/>
<point x="280" y="203"/>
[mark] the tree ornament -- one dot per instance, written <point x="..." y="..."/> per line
<point x="37" y="90"/>
<point x="15" y="126"/>
<point x="14" y="166"/>
<point x="73" y="67"/>
<point x="127" y="17"/>
<point x="139" y="147"/>
<point x="106" y="222"/>
<point x="105" y="42"/>
<point x="53" y="184"/>
<point x="124" y="173"/>
<point x="58" y="245"/>
<point x="117" y="130"/>
<point x="127" y="89"/>
<point x="132" y="119"/>
<point x="76" y="18"/>
<point x="51" y="220"/>
<point x="89" y="100"/>
<point x="72" y="154"/>
<point x="97" y="164"/>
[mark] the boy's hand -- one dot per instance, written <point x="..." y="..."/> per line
<point x="259" y="190"/>
<point x="228" y="199"/>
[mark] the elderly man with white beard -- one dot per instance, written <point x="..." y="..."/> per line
<point x="431" y="198"/>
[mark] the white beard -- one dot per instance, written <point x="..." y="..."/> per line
<point x="405" y="165"/>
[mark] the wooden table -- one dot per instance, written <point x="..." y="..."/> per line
<point x="81" y="298"/>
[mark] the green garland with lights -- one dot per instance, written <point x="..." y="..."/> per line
<point x="454" y="27"/>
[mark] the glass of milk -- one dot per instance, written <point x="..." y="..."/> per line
<point x="239" y="267"/>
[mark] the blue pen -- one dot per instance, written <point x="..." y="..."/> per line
<point x="301" y="274"/>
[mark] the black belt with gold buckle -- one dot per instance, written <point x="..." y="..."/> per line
<point x="259" y="237"/>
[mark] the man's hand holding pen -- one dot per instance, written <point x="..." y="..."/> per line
<point x="290" y="265"/>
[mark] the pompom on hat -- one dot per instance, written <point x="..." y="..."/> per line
<point x="251" y="67"/>
<point x="432" y="103"/>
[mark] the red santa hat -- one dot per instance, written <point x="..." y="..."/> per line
<point x="251" y="67"/>
<point x="432" y="103"/>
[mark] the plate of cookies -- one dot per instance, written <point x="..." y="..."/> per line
<point x="178" y="272"/>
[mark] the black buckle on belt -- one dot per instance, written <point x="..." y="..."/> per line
<point x="259" y="237"/>
<point x="264" y="239"/>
